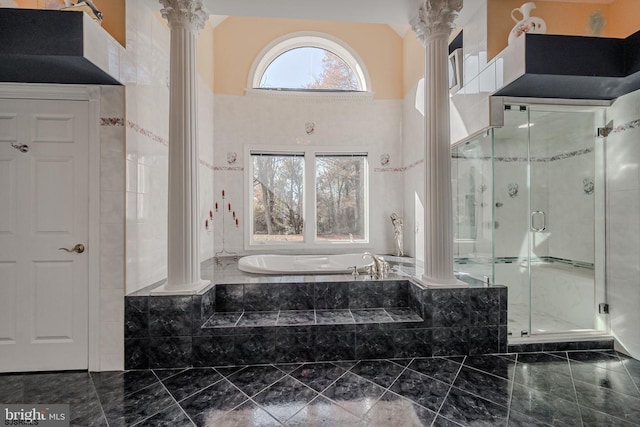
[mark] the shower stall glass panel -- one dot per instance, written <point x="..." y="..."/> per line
<point x="472" y="189"/>
<point x="511" y="216"/>
<point x="548" y="218"/>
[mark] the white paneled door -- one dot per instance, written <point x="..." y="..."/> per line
<point x="44" y="201"/>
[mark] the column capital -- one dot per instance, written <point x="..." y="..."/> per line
<point x="185" y="13"/>
<point x="435" y="17"/>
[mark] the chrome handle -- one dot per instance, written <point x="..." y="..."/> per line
<point x="544" y="221"/>
<point x="23" y="148"/>
<point x="355" y="273"/>
<point x="79" y="248"/>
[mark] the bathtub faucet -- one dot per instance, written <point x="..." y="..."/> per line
<point x="380" y="267"/>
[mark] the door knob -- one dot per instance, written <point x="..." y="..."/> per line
<point x="79" y="248"/>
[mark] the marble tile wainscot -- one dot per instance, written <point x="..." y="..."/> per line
<point x="158" y="330"/>
<point x="313" y="321"/>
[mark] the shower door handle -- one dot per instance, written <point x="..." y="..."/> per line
<point x="544" y="221"/>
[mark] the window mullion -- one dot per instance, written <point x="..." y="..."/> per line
<point x="310" y="199"/>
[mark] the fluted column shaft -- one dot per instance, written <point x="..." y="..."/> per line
<point x="185" y="18"/>
<point x="433" y="27"/>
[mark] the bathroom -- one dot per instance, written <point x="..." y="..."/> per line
<point x="387" y="123"/>
<point x="546" y="212"/>
<point x="386" y="126"/>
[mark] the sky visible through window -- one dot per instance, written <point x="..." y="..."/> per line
<point x="309" y="68"/>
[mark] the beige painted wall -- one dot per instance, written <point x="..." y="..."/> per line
<point x="413" y="61"/>
<point x="623" y="17"/>
<point x="566" y="18"/>
<point x="113" y="11"/>
<point x="113" y="18"/>
<point x="238" y="41"/>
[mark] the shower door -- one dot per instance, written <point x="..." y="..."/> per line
<point x="565" y="195"/>
<point x="549" y="178"/>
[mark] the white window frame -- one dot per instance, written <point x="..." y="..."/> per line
<point x="308" y="39"/>
<point x="309" y="244"/>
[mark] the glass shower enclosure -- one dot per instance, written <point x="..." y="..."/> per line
<point x="529" y="208"/>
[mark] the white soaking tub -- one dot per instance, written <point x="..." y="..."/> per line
<point x="304" y="264"/>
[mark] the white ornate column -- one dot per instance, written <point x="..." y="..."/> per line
<point x="433" y="27"/>
<point x="186" y="18"/>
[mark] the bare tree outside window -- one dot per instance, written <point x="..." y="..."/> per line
<point x="278" y="187"/>
<point x="279" y="195"/>
<point x="340" y="186"/>
<point x="335" y="75"/>
<point x="309" y="68"/>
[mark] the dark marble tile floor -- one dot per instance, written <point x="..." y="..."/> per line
<point x="575" y="388"/>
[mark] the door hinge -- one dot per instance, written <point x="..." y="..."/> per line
<point x="604" y="132"/>
<point x="515" y="107"/>
<point x="603" y="308"/>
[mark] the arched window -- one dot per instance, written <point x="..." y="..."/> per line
<point x="309" y="62"/>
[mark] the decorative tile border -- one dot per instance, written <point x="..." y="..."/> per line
<point x="119" y="121"/>
<point x="207" y="164"/>
<point x="228" y="168"/>
<point x="562" y="156"/>
<point x="627" y="126"/>
<point x="512" y="260"/>
<point x="111" y="121"/>
<point x="399" y="169"/>
<point x="146" y="132"/>
<point x="506" y="159"/>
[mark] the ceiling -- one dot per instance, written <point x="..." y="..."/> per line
<point x="391" y="12"/>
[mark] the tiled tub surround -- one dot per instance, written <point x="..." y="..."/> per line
<point x="312" y="321"/>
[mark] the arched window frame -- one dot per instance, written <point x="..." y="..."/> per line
<point x="308" y="39"/>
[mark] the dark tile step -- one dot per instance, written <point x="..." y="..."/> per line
<point x="562" y="346"/>
<point x="293" y="318"/>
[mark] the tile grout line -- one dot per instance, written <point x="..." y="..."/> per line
<point x="251" y="398"/>
<point x="318" y="393"/>
<point x="478" y="396"/>
<point x="172" y="398"/>
<point x="95" y="390"/>
<point x="202" y="389"/>
<point x="401" y="373"/>
<point x="352" y="316"/>
<point x="170" y="376"/>
<point x="513" y="384"/>
<point x="449" y="391"/>
<point x="238" y="320"/>
<point x="575" y="391"/>
<point x="488" y="373"/>
<point x="248" y="398"/>
<point x="387" y="389"/>
<point x="633" y="380"/>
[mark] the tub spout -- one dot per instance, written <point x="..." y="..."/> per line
<point x="380" y="267"/>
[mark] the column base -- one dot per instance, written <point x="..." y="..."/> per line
<point x="186" y="289"/>
<point x="431" y="283"/>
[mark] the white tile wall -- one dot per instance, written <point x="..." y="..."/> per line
<point x="145" y="70"/>
<point x="206" y="143"/>
<point x="571" y="211"/>
<point x="623" y="224"/>
<point x="260" y="120"/>
<point x="112" y="218"/>
<point x="413" y="179"/>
